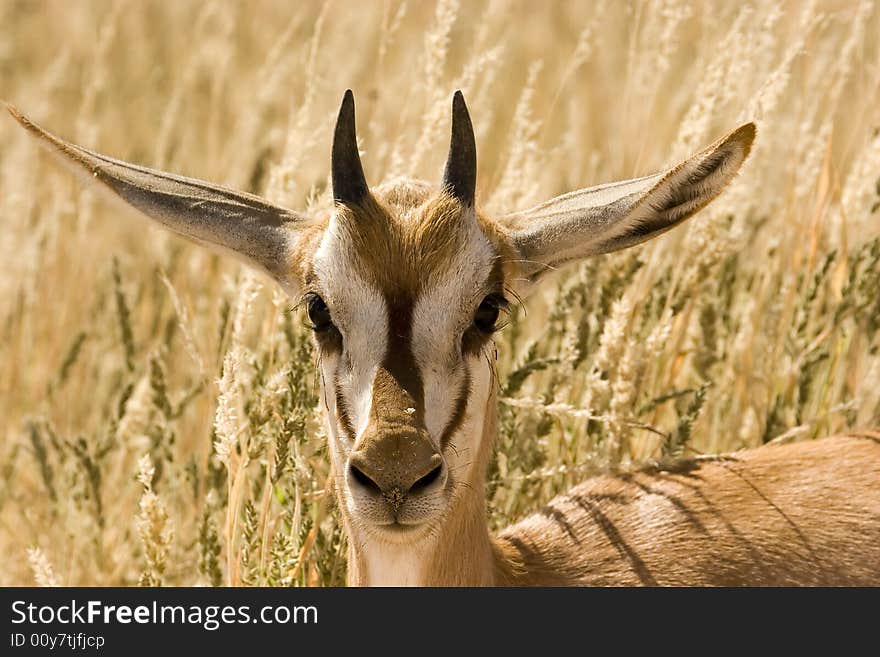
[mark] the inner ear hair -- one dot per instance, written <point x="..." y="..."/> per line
<point x="688" y="188"/>
<point x="619" y="215"/>
<point x="246" y="226"/>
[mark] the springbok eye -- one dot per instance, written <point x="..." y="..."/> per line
<point x="486" y="317"/>
<point x="319" y="314"/>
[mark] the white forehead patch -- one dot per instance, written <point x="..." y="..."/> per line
<point x="360" y="313"/>
<point x="442" y="312"/>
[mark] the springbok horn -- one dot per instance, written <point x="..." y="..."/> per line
<point x="460" y="176"/>
<point x="349" y="183"/>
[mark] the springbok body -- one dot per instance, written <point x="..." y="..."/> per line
<point x="404" y="285"/>
<point x="806" y="513"/>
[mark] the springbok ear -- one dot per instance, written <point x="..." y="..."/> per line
<point x="244" y="225"/>
<point x="622" y="214"/>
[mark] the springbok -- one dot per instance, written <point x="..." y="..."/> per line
<point x="404" y="284"/>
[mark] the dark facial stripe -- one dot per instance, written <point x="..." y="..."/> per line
<point x="342" y="411"/>
<point x="459" y="410"/>
<point x="400" y="363"/>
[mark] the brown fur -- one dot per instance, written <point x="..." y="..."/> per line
<point x="405" y="235"/>
<point x="806" y="513"/>
<point x="396" y="449"/>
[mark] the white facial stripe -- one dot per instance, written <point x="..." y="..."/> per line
<point x="442" y="312"/>
<point x="466" y="441"/>
<point x="440" y="400"/>
<point x="338" y="454"/>
<point x="360" y="313"/>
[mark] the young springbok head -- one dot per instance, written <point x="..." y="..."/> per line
<point x="404" y="285"/>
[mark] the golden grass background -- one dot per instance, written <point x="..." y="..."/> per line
<point x="757" y="321"/>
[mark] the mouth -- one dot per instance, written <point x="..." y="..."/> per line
<point x="400" y="528"/>
<point x="397" y="519"/>
<point x="396" y="531"/>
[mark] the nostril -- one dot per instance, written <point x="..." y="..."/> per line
<point x="428" y="479"/>
<point x="364" y="480"/>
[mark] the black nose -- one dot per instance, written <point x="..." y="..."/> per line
<point x="363" y="479"/>
<point x="427" y="480"/>
<point x="400" y="477"/>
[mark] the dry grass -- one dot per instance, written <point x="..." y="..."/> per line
<point x="158" y="403"/>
